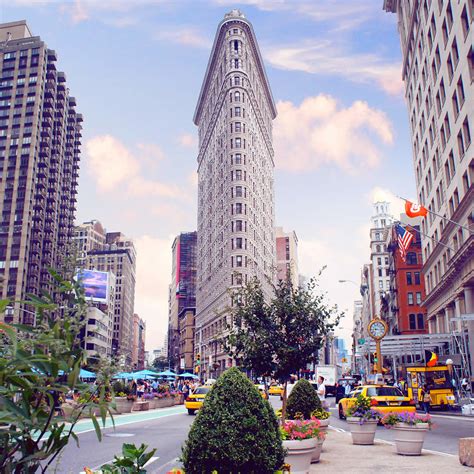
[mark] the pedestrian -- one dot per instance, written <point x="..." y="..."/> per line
<point x="322" y="392"/>
<point x="290" y="385"/>
<point x="133" y="388"/>
<point x="425" y="399"/>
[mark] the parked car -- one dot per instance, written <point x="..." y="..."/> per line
<point x="195" y="400"/>
<point x="387" y="399"/>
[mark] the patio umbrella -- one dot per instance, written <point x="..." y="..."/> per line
<point x="86" y="374"/>
<point x="122" y="375"/>
<point x="187" y="375"/>
<point x="166" y="373"/>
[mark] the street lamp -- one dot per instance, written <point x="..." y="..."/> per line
<point x="10" y="310"/>
<point x="348" y="281"/>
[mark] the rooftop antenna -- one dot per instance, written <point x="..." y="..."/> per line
<point x="9" y="37"/>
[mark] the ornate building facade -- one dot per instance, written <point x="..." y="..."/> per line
<point x="236" y="237"/>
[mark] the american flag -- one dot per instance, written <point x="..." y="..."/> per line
<point x="404" y="240"/>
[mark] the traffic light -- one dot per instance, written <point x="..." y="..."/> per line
<point x="375" y="358"/>
<point x="198" y="359"/>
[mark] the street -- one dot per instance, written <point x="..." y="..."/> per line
<point x="166" y="430"/>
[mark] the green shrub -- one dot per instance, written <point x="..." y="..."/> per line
<point x="118" y="387"/>
<point x="235" y="431"/>
<point x="303" y="399"/>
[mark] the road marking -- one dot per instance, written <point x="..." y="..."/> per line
<point x="151" y="461"/>
<point x="123" y="420"/>
<point x="171" y="464"/>
<point x="451" y="417"/>
<point x="129" y="423"/>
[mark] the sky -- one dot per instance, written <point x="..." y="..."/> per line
<point x="341" y="136"/>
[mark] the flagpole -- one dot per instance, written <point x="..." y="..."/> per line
<point x="426" y="235"/>
<point x="439" y="215"/>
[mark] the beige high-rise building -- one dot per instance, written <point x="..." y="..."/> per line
<point x="438" y="71"/>
<point x="379" y="255"/>
<point x="115" y="253"/>
<point x="236" y="238"/>
<point x="138" y="344"/>
<point x="40" y="137"/>
<point x="287" y="256"/>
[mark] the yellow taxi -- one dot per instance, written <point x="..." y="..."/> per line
<point x="261" y="389"/>
<point x="195" y="400"/>
<point x="275" y="390"/>
<point x="386" y="399"/>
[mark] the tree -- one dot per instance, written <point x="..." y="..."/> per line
<point x="38" y="365"/>
<point x="235" y="431"/>
<point x="160" y="363"/>
<point x="303" y="399"/>
<point x="280" y="337"/>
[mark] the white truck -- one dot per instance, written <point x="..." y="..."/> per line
<point x="331" y="374"/>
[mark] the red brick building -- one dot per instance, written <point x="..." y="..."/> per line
<point x="403" y="303"/>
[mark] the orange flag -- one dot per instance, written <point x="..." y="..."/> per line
<point x="431" y="358"/>
<point x="414" y="210"/>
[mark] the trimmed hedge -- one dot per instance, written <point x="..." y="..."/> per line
<point x="235" y="431"/>
<point x="303" y="399"/>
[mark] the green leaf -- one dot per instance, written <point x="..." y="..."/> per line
<point x="98" y="432"/>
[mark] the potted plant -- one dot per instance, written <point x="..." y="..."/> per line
<point x="303" y="442"/>
<point x="410" y="430"/>
<point x="234" y="431"/>
<point x="303" y="399"/>
<point x="363" y="419"/>
<point x="323" y="417"/>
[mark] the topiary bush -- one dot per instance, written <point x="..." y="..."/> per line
<point x="303" y="399"/>
<point x="235" y="431"/>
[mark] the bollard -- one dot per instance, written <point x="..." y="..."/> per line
<point x="466" y="451"/>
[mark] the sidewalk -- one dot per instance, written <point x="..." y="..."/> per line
<point x="340" y="455"/>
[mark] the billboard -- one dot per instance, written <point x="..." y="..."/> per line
<point x="95" y="284"/>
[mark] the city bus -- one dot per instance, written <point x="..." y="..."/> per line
<point x="438" y="383"/>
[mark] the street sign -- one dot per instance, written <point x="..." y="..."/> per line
<point x="464" y="317"/>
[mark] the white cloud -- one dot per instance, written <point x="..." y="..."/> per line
<point x="343" y="262"/>
<point x="187" y="140"/>
<point x="114" y="167"/>
<point x="324" y="57"/>
<point x="151" y="292"/>
<point x="343" y="14"/>
<point x="188" y="36"/>
<point x="193" y="179"/>
<point x="397" y="205"/>
<point x="109" y="162"/>
<point x="319" y="131"/>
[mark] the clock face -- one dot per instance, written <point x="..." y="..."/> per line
<point x="377" y="329"/>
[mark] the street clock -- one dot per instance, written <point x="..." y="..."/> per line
<point x="377" y="329"/>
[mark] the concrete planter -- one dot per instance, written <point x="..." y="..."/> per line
<point x="364" y="433"/>
<point x="122" y="405"/>
<point x="324" y="424"/>
<point x="164" y="402"/>
<point x="409" y="439"/>
<point x="299" y="454"/>
<point x="70" y="410"/>
<point x="317" y="451"/>
<point x="141" y="406"/>
<point x="151" y="403"/>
